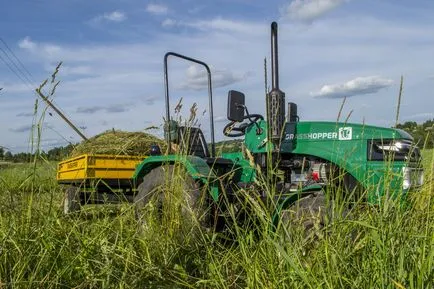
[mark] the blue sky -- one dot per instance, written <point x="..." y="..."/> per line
<point x="112" y="53"/>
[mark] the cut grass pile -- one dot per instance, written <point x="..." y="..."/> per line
<point x="117" y="142"/>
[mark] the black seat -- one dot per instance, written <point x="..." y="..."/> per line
<point x="192" y="142"/>
<point x="219" y="161"/>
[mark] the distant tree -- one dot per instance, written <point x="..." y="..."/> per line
<point x="22" y="157"/>
<point x="59" y="153"/>
<point x="423" y="134"/>
<point x="55" y="154"/>
<point x="8" y="156"/>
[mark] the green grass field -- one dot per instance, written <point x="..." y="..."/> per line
<point x="387" y="247"/>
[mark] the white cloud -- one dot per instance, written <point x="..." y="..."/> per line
<point x="51" y="49"/>
<point x="115" y="16"/>
<point x="27" y="43"/>
<point x="16" y="87"/>
<point x="357" y="86"/>
<point x="221" y="118"/>
<point x="220" y="24"/>
<point x="151" y="100"/>
<point x="168" y="22"/>
<point x="21" y="128"/>
<point x="113" y="108"/>
<point x="309" y="10"/>
<point x="197" y="78"/>
<point x="25" y="114"/>
<point x="157" y="9"/>
<point x="226" y="25"/>
<point x="196" y="9"/>
<point x="73" y="70"/>
<point x="45" y="48"/>
<point x="419" y="116"/>
<point x="90" y="110"/>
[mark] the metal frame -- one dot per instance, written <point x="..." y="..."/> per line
<point x="166" y="86"/>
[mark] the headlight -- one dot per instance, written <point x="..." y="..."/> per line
<point x="412" y="177"/>
<point x="394" y="150"/>
<point x="406" y="183"/>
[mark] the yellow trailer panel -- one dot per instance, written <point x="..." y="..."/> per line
<point x="94" y="166"/>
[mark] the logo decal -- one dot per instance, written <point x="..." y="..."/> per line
<point x="345" y="133"/>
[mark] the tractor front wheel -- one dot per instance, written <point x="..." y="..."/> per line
<point x="173" y="197"/>
<point x="309" y="212"/>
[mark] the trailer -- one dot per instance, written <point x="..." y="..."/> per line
<point x="97" y="179"/>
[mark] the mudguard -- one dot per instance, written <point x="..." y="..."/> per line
<point x="289" y="200"/>
<point x="196" y="167"/>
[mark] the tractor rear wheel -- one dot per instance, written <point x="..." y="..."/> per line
<point x="72" y="200"/>
<point x="172" y="197"/>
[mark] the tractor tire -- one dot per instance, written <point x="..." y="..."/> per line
<point x="171" y="192"/>
<point x="72" y="200"/>
<point x="310" y="212"/>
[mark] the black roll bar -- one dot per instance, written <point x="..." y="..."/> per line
<point x="166" y="86"/>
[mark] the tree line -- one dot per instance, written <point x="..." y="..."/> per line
<point x="55" y="154"/>
<point x="423" y="134"/>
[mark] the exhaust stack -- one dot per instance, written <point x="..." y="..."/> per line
<point x="274" y="57"/>
<point x="275" y="98"/>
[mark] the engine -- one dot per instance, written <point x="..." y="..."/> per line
<point x="305" y="172"/>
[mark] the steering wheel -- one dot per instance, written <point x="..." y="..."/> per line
<point x="230" y="130"/>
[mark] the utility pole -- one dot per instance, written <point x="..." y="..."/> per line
<point x="38" y="90"/>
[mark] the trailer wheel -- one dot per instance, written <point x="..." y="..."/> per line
<point x="71" y="201"/>
<point x="169" y="192"/>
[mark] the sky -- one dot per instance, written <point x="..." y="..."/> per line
<point x="112" y="53"/>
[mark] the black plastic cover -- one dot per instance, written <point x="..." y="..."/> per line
<point x="236" y="106"/>
<point x="393" y="150"/>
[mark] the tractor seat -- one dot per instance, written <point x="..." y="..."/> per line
<point x="192" y="142"/>
<point x="219" y="161"/>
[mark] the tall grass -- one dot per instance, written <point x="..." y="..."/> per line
<point x="391" y="246"/>
<point x="378" y="247"/>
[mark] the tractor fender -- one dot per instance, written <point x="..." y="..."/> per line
<point x="195" y="166"/>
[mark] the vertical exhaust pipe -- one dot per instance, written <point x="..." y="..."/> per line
<point x="274" y="57"/>
<point x="275" y="98"/>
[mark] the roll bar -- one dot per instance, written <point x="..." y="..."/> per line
<point x="166" y="86"/>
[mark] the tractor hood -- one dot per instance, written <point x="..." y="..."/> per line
<point x="332" y="131"/>
<point x="297" y="136"/>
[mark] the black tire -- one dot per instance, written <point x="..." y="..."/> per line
<point x="310" y="212"/>
<point x="72" y="200"/>
<point x="170" y="190"/>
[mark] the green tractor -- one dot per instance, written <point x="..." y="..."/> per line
<point x="299" y="161"/>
